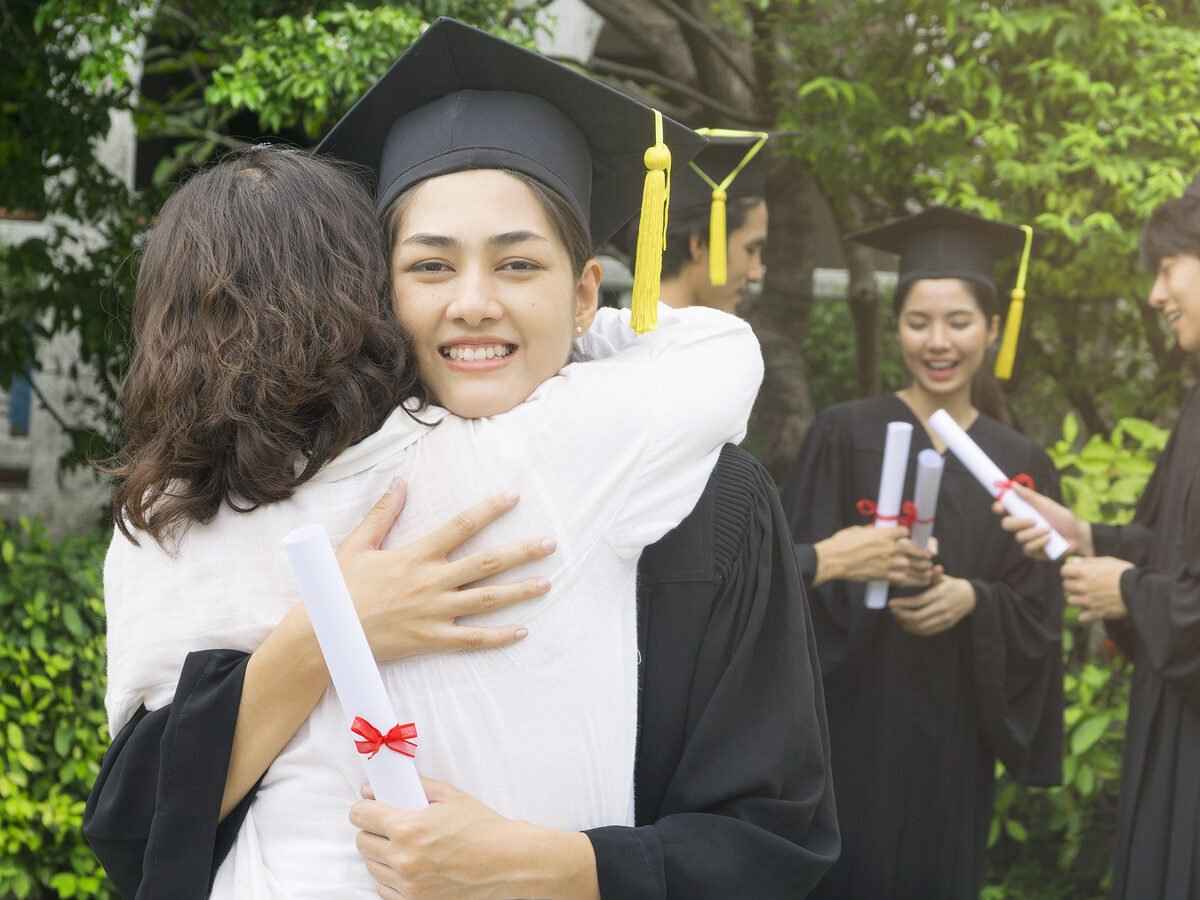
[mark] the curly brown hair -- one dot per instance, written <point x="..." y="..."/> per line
<point x="265" y="341"/>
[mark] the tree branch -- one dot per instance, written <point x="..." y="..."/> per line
<point x="636" y="73"/>
<point x="713" y="40"/>
<point x="654" y="31"/>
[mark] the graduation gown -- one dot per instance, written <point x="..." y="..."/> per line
<point x="733" y="790"/>
<point x="1158" y="831"/>
<point x="917" y="723"/>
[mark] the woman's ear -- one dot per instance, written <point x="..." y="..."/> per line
<point x="697" y="248"/>
<point x="587" y="295"/>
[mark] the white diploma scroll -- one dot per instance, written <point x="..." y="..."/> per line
<point x="988" y="474"/>
<point x="392" y="775"/>
<point x="925" y="495"/>
<point x="891" y="490"/>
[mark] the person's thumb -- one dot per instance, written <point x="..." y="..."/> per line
<point x="370" y="533"/>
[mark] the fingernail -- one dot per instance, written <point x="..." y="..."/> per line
<point x="511" y="497"/>
<point x="522" y="633"/>
<point x="549" y="545"/>
<point x="541" y="584"/>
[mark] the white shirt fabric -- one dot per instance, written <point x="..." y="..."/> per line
<point x="607" y="456"/>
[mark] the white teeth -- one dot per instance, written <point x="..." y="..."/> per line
<point x="941" y="365"/>
<point x="476" y="354"/>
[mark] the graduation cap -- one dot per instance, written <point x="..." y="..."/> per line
<point x="461" y="99"/>
<point x="730" y="165"/>
<point x="947" y="243"/>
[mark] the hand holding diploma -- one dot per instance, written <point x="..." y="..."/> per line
<point x="383" y="739"/>
<point x="891" y="489"/>
<point x="995" y="482"/>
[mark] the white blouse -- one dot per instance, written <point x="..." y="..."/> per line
<point x="607" y="456"/>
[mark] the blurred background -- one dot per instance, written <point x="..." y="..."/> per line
<point x="1076" y="117"/>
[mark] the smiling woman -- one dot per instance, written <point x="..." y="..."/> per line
<point x="964" y="668"/>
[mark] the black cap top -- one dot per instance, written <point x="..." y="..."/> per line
<point x="944" y="243"/>
<point x="717" y="160"/>
<point x="462" y="99"/>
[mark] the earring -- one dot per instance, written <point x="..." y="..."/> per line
<point x="579" y="329"/>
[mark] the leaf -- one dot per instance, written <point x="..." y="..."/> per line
<point x="1088" y="732"/>
<point x="1070" y="428"/>
<point x="73" y="622"/>
<point x="1016" y="831"/>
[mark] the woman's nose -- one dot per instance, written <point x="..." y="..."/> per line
<point x="474" y="303"/>
<point x="1158" y="292"/>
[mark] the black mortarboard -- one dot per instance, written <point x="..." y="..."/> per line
<point x="462" y="99"/>
<point x="944" y="243"/>
<point x="718" y="160"/>
<point x="947" y="243"/>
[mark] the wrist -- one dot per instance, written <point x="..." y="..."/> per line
<point x="829" y="563"/>
<point x="552" y="863"/>
<point x="297" y="643"/>
<point x="1087" y="546"/>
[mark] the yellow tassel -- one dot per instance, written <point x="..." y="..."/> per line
<point x="652" y="233"/>
<point x="1007" y="356"/>
<point x="716" y="239"/>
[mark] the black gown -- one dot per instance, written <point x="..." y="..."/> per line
<point x="918" y="723"/>
<point x="734" y="794"/>
<point x="1158" y="831"/>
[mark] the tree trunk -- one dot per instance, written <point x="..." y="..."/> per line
<point x="780" y="316"/>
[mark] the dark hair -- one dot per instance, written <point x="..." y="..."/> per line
<point x="693" y="222"/>
<point x="265" y="342"/>
<point x="1172" y="230"/>
<point x="574" y="233"/>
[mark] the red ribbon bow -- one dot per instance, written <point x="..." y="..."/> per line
<point x="398" y="738"/>
<point x="1003" y="487"/>
<point x="906" y="517"/>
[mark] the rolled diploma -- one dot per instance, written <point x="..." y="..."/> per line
<point x="988" y="474"/>
<point x="393" y="776"/>
<point x="925" y="495"/>
<point x="891" y="490"/>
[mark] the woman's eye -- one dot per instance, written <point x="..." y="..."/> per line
<point x="520" y="265"/>
<point x="960" y="324"/>
<point x="429" y="266"/>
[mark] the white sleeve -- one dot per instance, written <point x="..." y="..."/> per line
<point x="629" y="437"/>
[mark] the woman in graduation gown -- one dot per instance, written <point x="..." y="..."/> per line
<point x="1143" y="581"/>
<point x="460" y="101"/>
<point x="925" y="696"/>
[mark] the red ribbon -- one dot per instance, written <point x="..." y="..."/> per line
<point x="906" y="517"/>
<point x="1003" y="487"/>
<point x="398" y="738"/>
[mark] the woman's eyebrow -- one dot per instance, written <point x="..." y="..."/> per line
<point x="508" y="238"/>
<point x="431" y="240"/>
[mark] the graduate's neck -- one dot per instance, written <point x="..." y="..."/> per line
<point x="677" y="293"/>
<point x="924" y="404"/>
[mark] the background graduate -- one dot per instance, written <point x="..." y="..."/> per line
<point x="693" y="273"/>
<point x="925" y="696"/>
<point x="1143" y="581"/>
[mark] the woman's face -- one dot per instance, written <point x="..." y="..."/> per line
<point x="484" y="286"/>
<point x="944" y="335"/>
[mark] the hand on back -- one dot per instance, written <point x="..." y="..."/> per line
<point x="409" y="599"/>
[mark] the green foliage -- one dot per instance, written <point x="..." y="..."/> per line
<point x="1057" y="843"/>
<point x="52" y="722"/>
<point x="1076" y="116"/>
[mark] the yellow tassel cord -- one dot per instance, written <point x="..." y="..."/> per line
<point x="1012" y="325"/>
<point x="652" y="233"/>
<point x="718" y="237"/>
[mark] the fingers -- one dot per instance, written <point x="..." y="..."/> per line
<point x="376" y="524"/>
<point x="474" y="601"/>
<point x="471" y="637"/>
<point x="478" y="566"/>
<point x="468" y="523"/>
<point x="366" y="792"/>
<point x="439" y="791"/>
<point x="371" y="816"/>
<point x="908" y="604"/>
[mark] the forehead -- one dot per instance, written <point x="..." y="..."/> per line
<point x="940" y="296"/>
<point x="473" y="202"/>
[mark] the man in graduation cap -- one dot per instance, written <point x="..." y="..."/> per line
<point x="717" y="229"/>
<point x="732" y="789"/>
<point x="1143" y="581"/>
